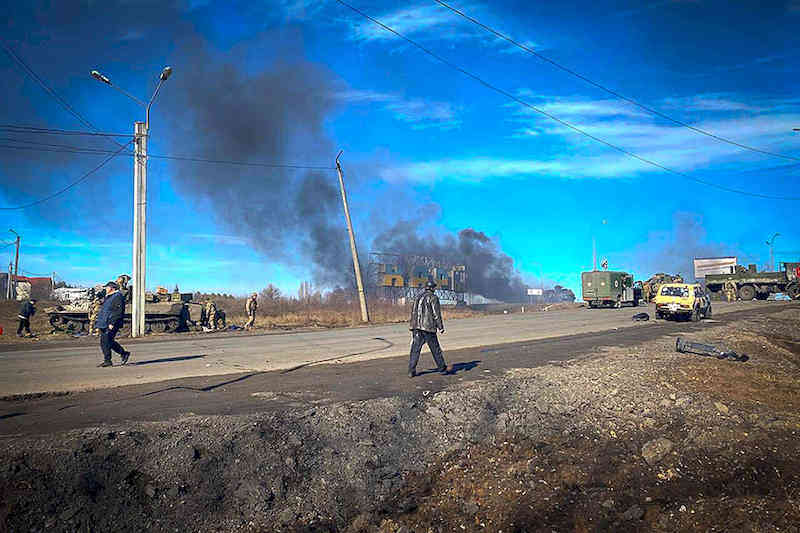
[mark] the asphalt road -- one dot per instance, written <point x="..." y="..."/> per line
<point x="73" y="367"/>
<point x="380" y="373"/>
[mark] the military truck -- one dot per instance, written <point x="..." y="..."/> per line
<point x="759" y="285"/>
<point x="606" y="288"/>
<point x="163" y="312"/>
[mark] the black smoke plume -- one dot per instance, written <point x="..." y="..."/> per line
<point x="490" y="272"/>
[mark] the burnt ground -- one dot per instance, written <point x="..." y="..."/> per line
<point x="637" y="438"/>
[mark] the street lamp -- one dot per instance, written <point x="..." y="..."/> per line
<point x="771" y="244"/>
<point x="141" y="133"/>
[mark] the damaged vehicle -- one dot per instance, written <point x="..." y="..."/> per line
<point x="682" y="300"/>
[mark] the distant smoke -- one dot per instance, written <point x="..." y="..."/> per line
<point x="490" y="272"/>
<point x="673" y="252"/>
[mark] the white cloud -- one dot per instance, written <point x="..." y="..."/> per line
<point x="417" y="112"/>
<point x="628" y="128"/>
<point x="409" y="21"/>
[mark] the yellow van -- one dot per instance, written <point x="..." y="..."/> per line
<point x="687" y="300"/>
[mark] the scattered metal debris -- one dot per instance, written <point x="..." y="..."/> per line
<point x="684" y="346"/>
<point x="640" y="317"/>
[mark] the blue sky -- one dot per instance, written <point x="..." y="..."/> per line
<point x="422" y="142"/>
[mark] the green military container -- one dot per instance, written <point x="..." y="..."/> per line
<point x="607" y="288"/>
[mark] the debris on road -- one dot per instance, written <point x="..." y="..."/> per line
<point x="640" y="317"/>
<point x="684" y="346"/>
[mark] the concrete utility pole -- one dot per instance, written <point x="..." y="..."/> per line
<point x="141" y="134"/>
<point x="356" y="266"/>
<point x="16" y="255"/>
<point x="771" y="244"/>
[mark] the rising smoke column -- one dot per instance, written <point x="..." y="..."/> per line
<point x="490" y="272"/>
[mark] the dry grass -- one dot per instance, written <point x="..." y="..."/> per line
<point x="295" y="314"/>
<point x="9" y="321"/>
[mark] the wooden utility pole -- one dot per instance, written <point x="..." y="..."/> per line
<point x="356" y="266"/>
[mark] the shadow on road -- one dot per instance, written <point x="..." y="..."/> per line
<point x="10" y="415"/>
<point x="466" y="367"/>
<point x="166" y="360"/>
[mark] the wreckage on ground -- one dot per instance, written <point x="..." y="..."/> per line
<point x="164" y="311"/>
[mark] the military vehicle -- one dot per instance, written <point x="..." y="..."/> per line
<point x="655" y="281"/>
<point x="163" y="312"/>
<point x="759" y="285"/>
<point x="558" y="294"/>
<point x="605" y="288"/>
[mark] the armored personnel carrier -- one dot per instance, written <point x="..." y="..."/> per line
<point x="164" y="311"/>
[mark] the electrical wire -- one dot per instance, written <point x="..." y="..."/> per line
<point x="13" y="128"/>
<point x="560" y="121"/>
<point x="611" y="91"/>
<point x="27" y="69"/>
<point x="63" y="148"/>
<point x="71" y="185"/>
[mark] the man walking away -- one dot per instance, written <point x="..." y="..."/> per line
<point x="26" y="311"/>
<point x="251" y="306"/>
<point x="109" y="321"/>
<point x="426" y="318"/>
<point x="211" y="314"/>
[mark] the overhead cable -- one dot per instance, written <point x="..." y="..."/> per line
<point x="27" y="69"/>
<point x="651" y="110"/>
<point x="13" y="128"/>
<point x="564" y="123"/>
<point x="63" y="148"/>
<point x="71" y="185"/>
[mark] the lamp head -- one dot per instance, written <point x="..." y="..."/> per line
<point x="166" y="73"/>
<point x="99" y="77"/>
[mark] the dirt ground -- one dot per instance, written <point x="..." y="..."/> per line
<point x="266" y="321"/>
<point x="634" y="439"/>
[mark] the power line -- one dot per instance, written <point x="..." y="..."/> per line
<point x="13" y="128"/>
<point x="611" y="91"/>
<point x="46" y="87"/>
<point x="73" y="184"/>
<point x="63" y="148"/>
<point x="560" y="121"/>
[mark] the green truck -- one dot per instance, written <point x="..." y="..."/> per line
<point x="759" y="285"/>
<point x="606" y="288"/>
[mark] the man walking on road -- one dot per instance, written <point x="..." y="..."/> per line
<point x="251" y="306"/>
<point x="26" y="311"/>
<point x="426" y="319"/>
<point x="109" y="321"/>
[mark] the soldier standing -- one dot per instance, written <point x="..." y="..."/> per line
<point x="730" y="291"/>
<point x="646" y="292"/>
<point x="211" y="314"/>
<point x="94" y="309"/>
<point x="122" y="283"/>
<point x="426" y="319"/>
<point x="250" y="307"/>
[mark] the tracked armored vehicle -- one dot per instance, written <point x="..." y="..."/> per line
<point x="163" y="312"/>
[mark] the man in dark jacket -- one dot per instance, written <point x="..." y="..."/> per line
<point x="109" y="321"/>
<point x="426" y="319"/>
<point x="26" y="311"/>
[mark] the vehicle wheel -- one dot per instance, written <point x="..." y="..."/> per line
<point x="762" y="295"/>
<point x="158" y="327"/>
<point x="172" y="324"/>
<point x="747" y="293"/>
<point x="696" y="315"/>
<point x="56" y="321"/>
<point x="793" y="291"/>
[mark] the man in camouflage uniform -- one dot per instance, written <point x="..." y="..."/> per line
<point x="211" y="314"/>
<point x="94" y="308"/>
<point x="730" y="291"/>
<point x="251" y="306"/>
<point x="646" y="292"/>
<point x="122" y="281"/>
